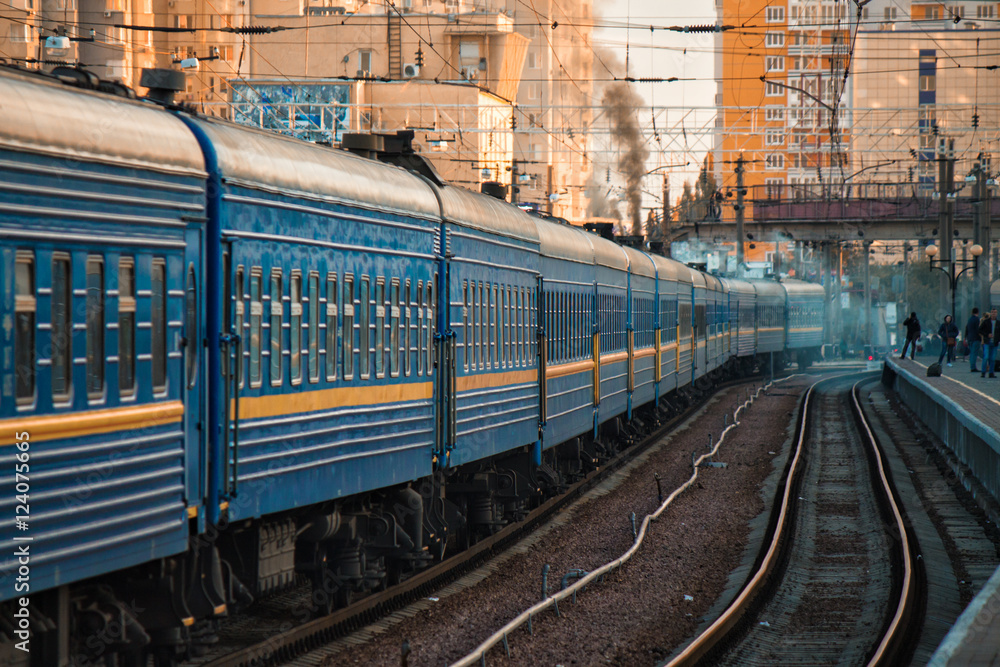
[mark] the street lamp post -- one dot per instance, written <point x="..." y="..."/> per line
<point x="939" y="264"/>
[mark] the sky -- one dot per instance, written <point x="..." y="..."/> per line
<point x="667" y="59"/>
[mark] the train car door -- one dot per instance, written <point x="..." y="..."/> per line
<point x="193" y="362"/>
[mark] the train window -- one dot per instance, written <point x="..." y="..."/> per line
<point x="520" y="325"/>
<point x="191" y="326"/>
<point x="348" y="326"/>
<point x="312" y="327"/>
<point x="332" y="331"/>
<point x="407" y="347"/>
<point x="364" y="320"/>
<point x="480" y="326"/>
<point x="95" y="327"/>
<point x="295" y="330"/>
<point x="380" y="327"/>
<point x="62" y="330"/>
<point x="430" y="326"/>
<point x="495" y="325"/>
<point x="25" y="305"/>
<point x="126" y="323"/>
<point x="158" y="324"/>
<point x="256" y="316"/>
<point x="240" y="319"/>
<point x="394" y="320"/>
<point x="419" y="327"/>
<point x="277" y="319"/>
<point x="466" y="336"/>
<point x="508" y="328"/>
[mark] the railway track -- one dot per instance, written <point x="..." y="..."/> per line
<point x="838" y="580"/>
<point x="269" y="636"/>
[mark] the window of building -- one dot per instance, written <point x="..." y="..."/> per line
<point x="534" y="91"/>
<point x="158" y="324"/>
<point x="774" y="138"/>
<point x="775" y="14"/>
<point x="774" y="63"/>
<point x="295" y="330"/>
<point x="533" y="60"/>
<point x="25" y="306"/>
<point x="985" y="11"/>
<point x="772" y="89"/>
<point x="774" y="113"/>
<point x="364" y="62"/>
<point x="928" y="83"/>
<point x="932" y="13"/>
<point x="774" y="39"/>
<point x="775" y="161"/>
<point x="312" y="326"/>
<point x="889" y="13"/>
<point x="277" y="319"/>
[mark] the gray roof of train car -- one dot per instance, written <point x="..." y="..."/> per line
<point x="797" y="287"/>
<point x="271" y="161"/>
<point x="712" y="282"/>
<point x="668" y="269"/>
<point x="697" y="277"/>
<point x="639" y="262"/>
<point x="65" y="122"/>
<point x="487" y="214"/>
<point x="737" y="286"/>
<point x="769" y="290"/>
<point x="564" y="242"/>
<point x="609" y="254"/>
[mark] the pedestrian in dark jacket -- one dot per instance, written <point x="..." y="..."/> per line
<point x="972" y="339"/>
<point x="990" y="332"/>
<point x="912" y="325"/>
<point x="948" y="331"/>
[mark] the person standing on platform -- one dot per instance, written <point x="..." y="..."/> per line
<point x="912" y="325"/>
<point x="972" y="339"/>
<point x="948" y="332"/>
<point x="990" y="333"/>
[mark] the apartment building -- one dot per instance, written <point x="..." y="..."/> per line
<point x="784" y="102"/>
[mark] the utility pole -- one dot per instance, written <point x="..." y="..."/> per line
<point x="740" y="191"/>
<point x="981" y="235"/>
<point x="868" y="294"/>
<point x="513" y="181"/>
<point x="946" y="180"/>
<point x="665" y="222"/>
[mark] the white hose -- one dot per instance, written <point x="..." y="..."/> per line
<point x="479" y="653"/>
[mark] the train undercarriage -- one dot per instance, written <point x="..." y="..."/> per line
<point x="172" y="608"/>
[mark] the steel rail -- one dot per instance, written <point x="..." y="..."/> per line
<point x="893" y="640"/>
<point x="500" y="636"/>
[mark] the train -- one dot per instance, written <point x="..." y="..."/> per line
<point x="234" y="362"/>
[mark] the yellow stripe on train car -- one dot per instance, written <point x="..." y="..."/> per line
<point x="79" y="424"/>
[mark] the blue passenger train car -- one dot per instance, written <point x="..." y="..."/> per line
<point x="239" y="359"/>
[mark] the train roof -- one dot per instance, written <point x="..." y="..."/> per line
<point x="640" y="263"/>
<point x="736" y="286"/>
<point x="50" y="118"/>
<point x="697" y="277"/>
<point x="668" y="269"/>
<point x="609" y="254"/>
<point x="801" y="288"/>
<point x="487" y="214"/>
<point x="564" y="242"/>
<point x="712" y="282"/>
<point x="769" y="289"/>
<point x="268" y="161"/>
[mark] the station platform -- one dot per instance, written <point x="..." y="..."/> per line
<point x="963" y="409"/>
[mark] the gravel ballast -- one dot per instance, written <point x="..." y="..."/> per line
<point x="641" y="612"/>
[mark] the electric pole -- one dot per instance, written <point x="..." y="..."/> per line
<point x="740" y="191"/>
<point x="665" y="222"/>
<point x="946" y="180"/>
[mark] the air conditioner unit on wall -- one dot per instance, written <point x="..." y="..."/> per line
<point x="411" y="71"/>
